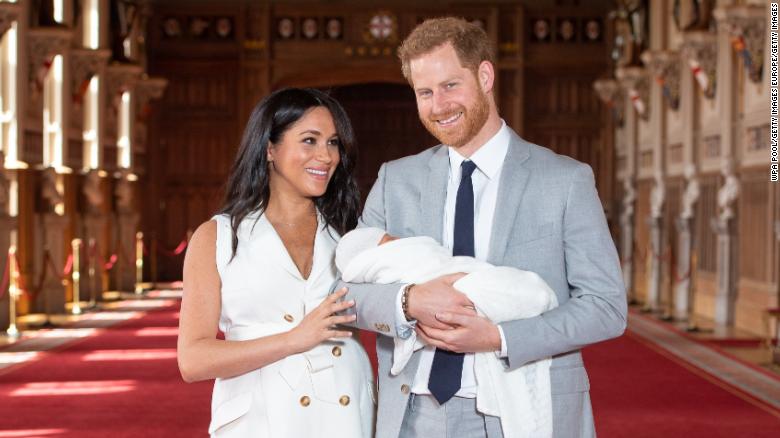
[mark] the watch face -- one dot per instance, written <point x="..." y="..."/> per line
<point x="285" y="28"/>
<point x="310" y="28"/>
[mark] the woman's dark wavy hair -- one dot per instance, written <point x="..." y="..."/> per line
<point x="248" y="188"/>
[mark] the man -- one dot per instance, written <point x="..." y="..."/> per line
<point x="487" y="193"/>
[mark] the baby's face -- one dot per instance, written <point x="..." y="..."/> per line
<point x="387" y="238"/>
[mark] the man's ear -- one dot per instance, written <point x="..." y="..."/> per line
<point x="486" y="76"/>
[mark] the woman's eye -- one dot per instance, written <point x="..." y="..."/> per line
<point x="310" y="140"/>
<point x="451" y="85"/>
<point x="334" y="142"/>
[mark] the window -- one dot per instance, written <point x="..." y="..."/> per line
<point x="124" y="152"/>
<point x="8" y="126"/>
<point x="52" y="115"/>
<point x="91" y="125"/>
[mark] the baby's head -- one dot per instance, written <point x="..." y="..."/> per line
<point x="357" y="241"/>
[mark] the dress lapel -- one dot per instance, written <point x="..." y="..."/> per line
<point x="434" y="194"/>
<point x="267" y="242"/>
<point x="514" y="178"/>
<point x="325" y="243"/>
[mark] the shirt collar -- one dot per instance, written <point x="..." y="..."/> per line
<point x="488" y="158"/>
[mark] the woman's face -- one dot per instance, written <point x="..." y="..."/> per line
<point x="304" y="159"/>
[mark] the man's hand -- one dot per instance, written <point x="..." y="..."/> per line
<point x="437" y="296"/>
<point x="471" y="333"/>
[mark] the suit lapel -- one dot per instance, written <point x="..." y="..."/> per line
<point x="434" y="194"/>
<point x="514" y="178"/>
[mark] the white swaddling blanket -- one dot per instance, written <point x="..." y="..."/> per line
<point x="520" y="397"/>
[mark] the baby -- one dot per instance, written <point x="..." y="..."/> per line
<point x="520" y="397"/>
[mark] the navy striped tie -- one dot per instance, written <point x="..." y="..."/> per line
<point x="447" y="367"/>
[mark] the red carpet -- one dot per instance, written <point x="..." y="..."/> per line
<point x="124" y="382"/>
<point x="120" y="383"/>
<point x="640" y="392"/>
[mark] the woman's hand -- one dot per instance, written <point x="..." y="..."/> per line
<point x="318" y="325"/>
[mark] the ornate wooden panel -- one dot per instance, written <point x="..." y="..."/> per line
<point x="642" y="236"/>
<point x="756" y="238"/>
<point x="706" y="210"/>
<point x="386" y="125"/>
<point x="674" y="189"/>
<point x="197" y="135"/>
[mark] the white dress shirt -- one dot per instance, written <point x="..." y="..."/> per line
<point x="489" y="160"/>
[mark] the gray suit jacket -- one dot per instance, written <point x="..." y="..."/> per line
<point x="548" y="220"/>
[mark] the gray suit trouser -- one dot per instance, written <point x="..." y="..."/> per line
<point x="458" y="418"/>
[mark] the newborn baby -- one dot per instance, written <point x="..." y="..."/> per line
<point x="520" y="397"/>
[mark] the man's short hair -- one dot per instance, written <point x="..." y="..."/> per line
<point x="470" y="42"/>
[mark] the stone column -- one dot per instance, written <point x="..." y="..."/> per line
<point x="683" y="302"/>
<point x="51" y="227"/>
<point x="127" y="226"/>
<point x="627" y="237"/>
<point x="7" y="227"/>
<point x="95" y="243"/>
<point x="655" y="222"/>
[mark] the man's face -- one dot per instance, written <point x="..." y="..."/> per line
<point x="450" y="102"/>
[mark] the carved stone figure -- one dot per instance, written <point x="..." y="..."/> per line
<point x="49" y="192"/>
<point x="657" y="196"/>
<point x="124" y="195"/>
<point x="92" y="192"/>
<point x="692" y="192"/>
<point x="629" y="196"/>
<point x="729" y="191"/>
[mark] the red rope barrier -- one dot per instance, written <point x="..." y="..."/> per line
<point x="176" y="251"/>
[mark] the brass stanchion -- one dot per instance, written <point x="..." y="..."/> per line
<point x="153" y="260"/>
<point x="692" y="327"/>
<point x="91" y="272"/>
<point x="139" y="262"/>
<point x="13" y="293"/>
<point x="75" y="276"/>
<point x="648" y="271"/>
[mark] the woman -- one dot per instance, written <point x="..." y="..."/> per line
<point x="261" y="271"/>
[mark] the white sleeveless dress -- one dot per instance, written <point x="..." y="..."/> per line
<point x="325" y="392"/>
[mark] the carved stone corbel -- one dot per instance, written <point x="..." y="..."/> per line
<point x="637" y="84"/>
<point x="9" y="12"/>
<point x="700" y="49"/>
<point x="610" y="93"/>
<point x="44" y="43"/>
<point x="146" y="89"/>
<point x="119" y="78"/>
<point x="664" y="65"/>
<point x="85" y="63"/>
<point x="746" y="24"/>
